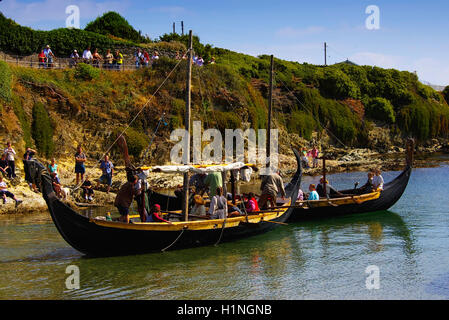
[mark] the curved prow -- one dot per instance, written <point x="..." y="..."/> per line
<point x="293" y="186"/>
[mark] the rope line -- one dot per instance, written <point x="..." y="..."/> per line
<point x="144" y="106"/>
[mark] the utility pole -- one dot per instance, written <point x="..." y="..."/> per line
<point x="185" y="202"/>
<point x="270" y="111"/>
<point x="182" y="27"/>
<point x="174" y="27"/>
<point x="325" y="54"/>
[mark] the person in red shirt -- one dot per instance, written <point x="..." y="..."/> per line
<point x="252" y="204"/>
<point x="154" y="215"/>
<point x="42" y="59"/>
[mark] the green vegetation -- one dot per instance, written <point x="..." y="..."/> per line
<point x="346" y="100"/>
<point x="5" y="81"/>
<point x="42" y="130"/>
<point x="111" y="23"/>
<point x="19" y="40"/>
<point x="86" y="72"/>
<point x="446" y="94"/>
<point x="380" y="109"/>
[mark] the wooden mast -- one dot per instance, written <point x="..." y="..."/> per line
<point x="185" y="202"/>
<point x="270" y="110"/>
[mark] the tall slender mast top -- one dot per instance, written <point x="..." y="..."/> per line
<point x="270" y="108"/>
<point x="185" y="203"/>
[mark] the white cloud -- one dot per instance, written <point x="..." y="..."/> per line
<point x="377" y="59"/>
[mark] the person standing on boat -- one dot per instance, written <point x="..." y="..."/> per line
<point x="271" y="185"/>
<point x="80" y="159"/>
<point x="124" y="199"/>
<point x="378" y="180"/>
<point x="218" y="205"/>
<point x="214" y="181"/>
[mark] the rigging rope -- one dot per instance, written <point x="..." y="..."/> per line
<point x="144" y="106"/>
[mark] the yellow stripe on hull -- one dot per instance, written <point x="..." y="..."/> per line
<point x="193" y="225"/>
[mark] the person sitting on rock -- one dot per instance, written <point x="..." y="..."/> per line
<point x="88" y="192"/>
<point x="57" y="187"/>
<point x="4" y="168"/>
<point x="5" y="193"/>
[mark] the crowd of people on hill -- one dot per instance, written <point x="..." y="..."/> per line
<point x="110" y="60"/>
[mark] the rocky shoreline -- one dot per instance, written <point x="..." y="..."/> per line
<point x="349" y="161"/>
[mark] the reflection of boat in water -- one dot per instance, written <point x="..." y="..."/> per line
<point x="354" y="200"/>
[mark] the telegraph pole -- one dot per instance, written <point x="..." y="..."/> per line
<point x="325" y="54"/>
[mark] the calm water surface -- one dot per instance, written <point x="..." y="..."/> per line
<point x="323" y="259"/>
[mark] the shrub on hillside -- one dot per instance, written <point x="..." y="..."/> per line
<point x="86" y="72"/>
<point x="112" y="23"/>
<point x="380" y="109"/>
<point x="5" y="81"/>
<point x="336" y="84"/>
<point x="42" y="130"/>
<point x="446" y="94"/>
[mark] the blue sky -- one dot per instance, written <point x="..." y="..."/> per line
<point x="413" y="34"/>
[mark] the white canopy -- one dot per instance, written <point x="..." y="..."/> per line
<point x="197" y="168"/>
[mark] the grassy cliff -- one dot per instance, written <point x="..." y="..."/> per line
<point x="89" y="106"/>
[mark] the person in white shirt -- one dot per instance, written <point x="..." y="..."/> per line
<point x="10" y="157"/>
<point x="218" y="205"/>
<point x="378" y="180"/>
<point x="87" y="55"/>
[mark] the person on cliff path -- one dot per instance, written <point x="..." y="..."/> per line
<point x="118" y="59"/>
<point x="42" y="59"/>
<point x="10" y="157"/>
<point x="5" y="193"/>
<point x="49" y="56"/>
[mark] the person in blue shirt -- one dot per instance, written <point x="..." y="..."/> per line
<point x="108" y="169"/>
<point x="313" y="194"/>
